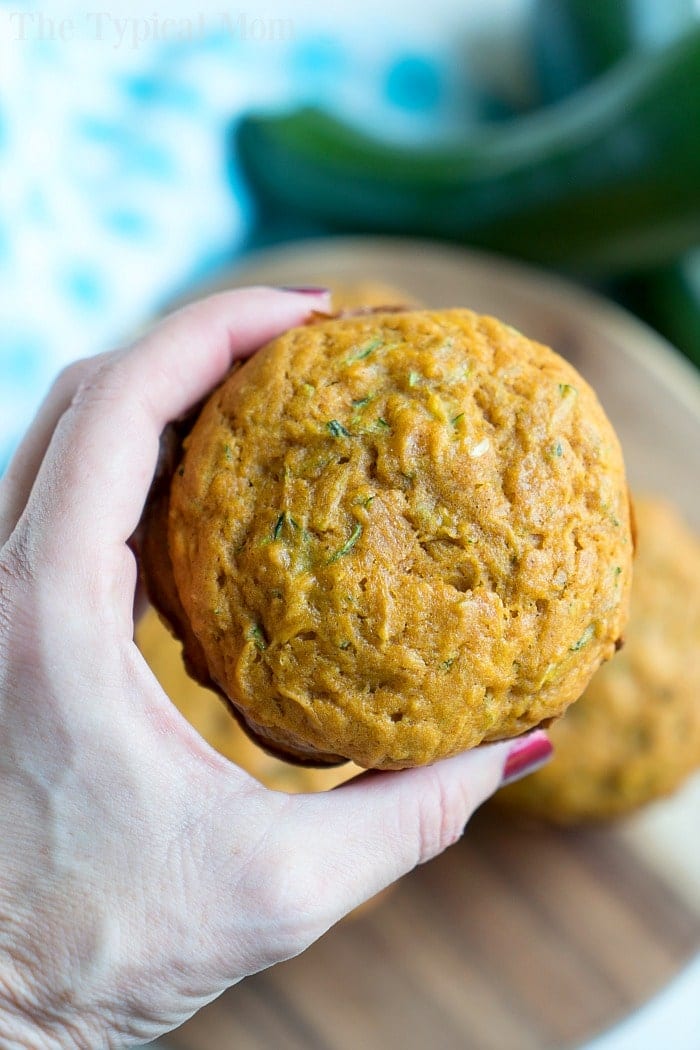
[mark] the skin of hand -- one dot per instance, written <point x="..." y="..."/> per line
<point x="141" y="873"/>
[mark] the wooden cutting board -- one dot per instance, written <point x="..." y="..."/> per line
<point x="520" y="936"/>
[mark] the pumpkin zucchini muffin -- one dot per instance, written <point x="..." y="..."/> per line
<point x="393" y="536"/>
<point x="205" y="712"/>
<point x="635" y="733"/>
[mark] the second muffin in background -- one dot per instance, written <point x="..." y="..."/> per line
<point x="635" y="733"/>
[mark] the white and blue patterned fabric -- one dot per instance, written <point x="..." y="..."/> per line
<point x="117" y="183"/>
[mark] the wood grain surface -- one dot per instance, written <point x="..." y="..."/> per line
<point x="520" y="937"/>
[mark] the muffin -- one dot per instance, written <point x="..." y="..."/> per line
<point x="393" y="536"/>
<point x="635" y="733"/>
<point x="363" y="294"/>
<point x="204" y="711"/>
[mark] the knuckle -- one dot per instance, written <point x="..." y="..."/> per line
<point x="96" y="378"/>
<point x="73" y="376"/>
<point x="291" y="900"/>
<point x="288" y="898"/>
<point x="282" y="886"/>
<point x="98" y="384"/>
<point x="81" y="381"/>
<point x="442" y="812"/>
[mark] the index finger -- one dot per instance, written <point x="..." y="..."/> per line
<point x="92" y="484"/>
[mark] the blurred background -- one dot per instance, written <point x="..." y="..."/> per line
<point x="145" y="151"/>
<point x="142" y="151"/>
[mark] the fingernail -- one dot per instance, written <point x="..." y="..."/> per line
<point x="527" y="754"/>
<point x="305" y="291"/>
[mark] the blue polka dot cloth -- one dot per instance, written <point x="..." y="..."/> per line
<point x="117" y="184"/>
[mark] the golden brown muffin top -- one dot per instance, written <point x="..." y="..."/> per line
<point x="635" y="733"/>
<point x="396" y="536"/>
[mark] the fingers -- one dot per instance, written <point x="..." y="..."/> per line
<point x="92" y="483"/>
<point x="367" y="834"/>
<point x="16" y="483"/>
<point x="350" y="843"/>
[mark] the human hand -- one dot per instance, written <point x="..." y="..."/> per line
<point x="140" y="872"/>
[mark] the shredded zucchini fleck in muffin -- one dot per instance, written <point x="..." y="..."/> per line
<point x="419" y="516"/>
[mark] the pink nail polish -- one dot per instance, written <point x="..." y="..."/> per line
<point x="305" y="291"/>
<point x="526" y="755"/>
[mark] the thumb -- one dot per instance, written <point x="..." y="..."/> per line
<point x="367" y="833"/>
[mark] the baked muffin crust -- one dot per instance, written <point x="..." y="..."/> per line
<point x="397" y="535"/>
<point x="635" y="733"/>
